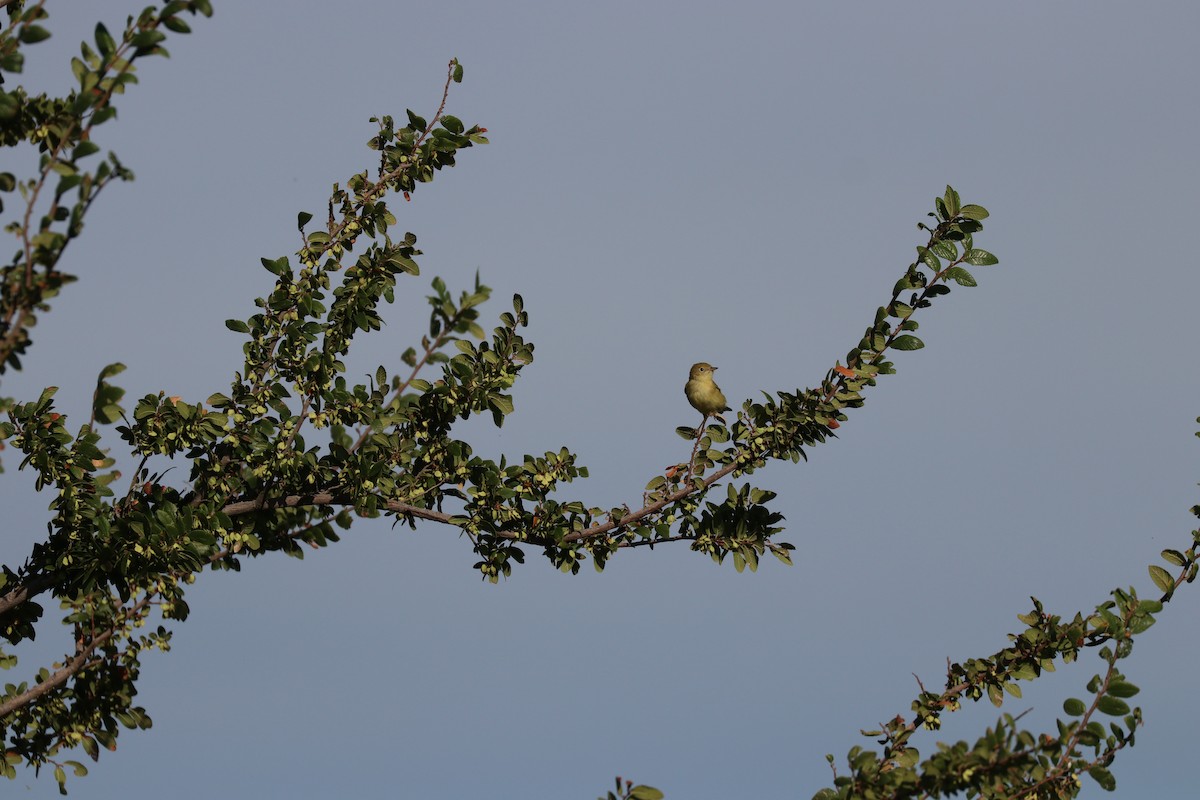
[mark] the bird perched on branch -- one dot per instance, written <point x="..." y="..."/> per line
<point x="703" y="393"/>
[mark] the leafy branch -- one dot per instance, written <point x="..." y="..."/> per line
<point x="256" y="486"/>
<point x="1008" y="762"/>
<point x="62" y="128"/>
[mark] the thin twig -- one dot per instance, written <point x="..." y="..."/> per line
<point x="696" y="446"/>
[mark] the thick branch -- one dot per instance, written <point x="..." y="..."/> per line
<point x="327" y="499"/>
<point x="330" y="499"/>
<point x="25" y="591"/>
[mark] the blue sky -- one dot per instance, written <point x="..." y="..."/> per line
<point x="668" y="183"/>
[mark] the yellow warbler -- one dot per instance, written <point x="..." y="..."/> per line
<point x="702" y="391"/>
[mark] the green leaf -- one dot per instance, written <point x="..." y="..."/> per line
<point x="415" y="121"/>
<point x="1112" y="706"/>
<point x="1141" y="623"/>
<point x="405" y="264"/>
<point x="276" y="267"/>
<point x="907" y="343"/>
<point x="1074" y="707"/>
<point x="453" y="124"/>
<point x="974" y="212"/>
<point x="980" y="258"/>
<point x="1174" y="557"/>
<point x="908" y="281"/>
<point x="1162" y="579"/>
<point x="1122" y="689"/>
<point x="237" y="325"/>
<point x="1025" y="672"/>
<point x="930" y="260"/>
<point x="104" y="115"/>
<point x="945" y="249"/>
<point x="108" y="413"/>
<point x="458" y="71"/>
<point x="641" y="792"/>
<point x="501" y="402"/>
<point x="176" y="25"/>
<point x="104" y="40"/>
<point x="952" y="201"/>
<point x="10" y="106"/>
<point x="1103" y="777"/>
<point x="146" y="40"/>
<point x="84" y="149"/>
<point x="302" y="219"/>
<point x="960" y="276"/>
<point x="34" y="34"/>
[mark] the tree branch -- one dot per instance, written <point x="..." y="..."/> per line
<point x="72" y="667"/>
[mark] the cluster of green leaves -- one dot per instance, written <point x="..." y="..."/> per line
<point x="56" y="198"/>
<point x="255" y="485"/>
<point x="1008" y="761"/>
<point x="783" y="426"/>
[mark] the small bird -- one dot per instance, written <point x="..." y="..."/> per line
<point x="702" y="391"/>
